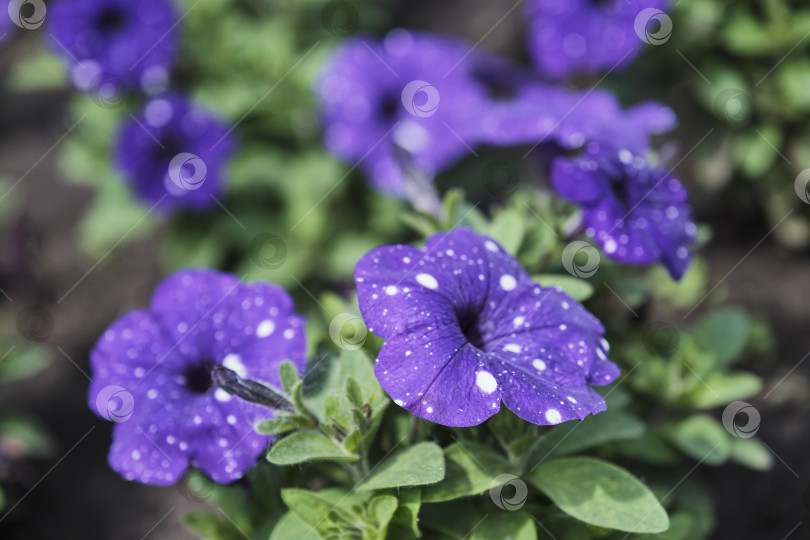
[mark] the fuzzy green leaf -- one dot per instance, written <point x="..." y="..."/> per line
<point x="304" y="446"/>
<point x="600" y="493"/>
<point x="418" y="465"/>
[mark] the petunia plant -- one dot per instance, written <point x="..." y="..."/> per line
<point x="413" y="287"/>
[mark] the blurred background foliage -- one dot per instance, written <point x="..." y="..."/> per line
<point x="735" y="70"/>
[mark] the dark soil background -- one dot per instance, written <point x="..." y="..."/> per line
<point x="76" y="495"/>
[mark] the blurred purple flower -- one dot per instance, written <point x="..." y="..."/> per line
<point x="133" y="41"/>
<point x="412" y="89"/>
<point x="174" y="153"/>
<point x="586" y="36"/>
<point x="466" y="328"/>
<point x="540" y="113"/>
<point x="152" y="375"/>
<point x="637" y="214"/>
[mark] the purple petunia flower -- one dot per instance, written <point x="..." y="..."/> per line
<point x="133" y="41"/>
<point x="413" y="90"/>
<point x="539" y="113"/>
<point x="159" y="361"/>
<point x="637" y="214"/>
<point x="466" y="328"/>
<point x="174" y="153"/>
<point x="585" y="36"/>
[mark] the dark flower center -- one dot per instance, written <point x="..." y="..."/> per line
<point x="619" y="187"/>
<point x="198" y="377"/>
<point x="389" y="106"/>
<point x="111" y="19"/>
<point x="468" y="321"/>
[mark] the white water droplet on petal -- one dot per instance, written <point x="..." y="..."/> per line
<point x="539" y="364"/>
<point x="234" y="362"/>
<point x="553" y="416"/>
<point x="265" y="328"/>
<point x="508" y="282"/>
<point x="485" y="381"/>
<point x="490" y="245"/>
<point x="426" y="280"/>
<point x="391" y="290"/>
<point x="512" y="347"/>
<point x="221" y="395"/>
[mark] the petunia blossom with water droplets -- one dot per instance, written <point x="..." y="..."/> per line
<point x="412" y="89"/>
<point x="585" y="36"/>
<point x="173" y="154"/>
<point x="466" y="329"/>
<point x="637" y="214"/>
<point x="162" y="358"/>
<point x="131" y="41"/>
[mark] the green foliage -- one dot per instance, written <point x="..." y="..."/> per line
<point x="601" y="493"/>
<point x="418" y="465"/>
<point x="346" y="465"/>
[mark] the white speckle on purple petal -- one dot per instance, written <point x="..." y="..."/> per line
<point x="426" y="280"/>
<point x="265" y="328"/>
<point x="234" y="362"/>
<point x="508" y="282"/>
<point x="485" y="381"/>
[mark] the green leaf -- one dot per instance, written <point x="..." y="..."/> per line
<point x="381" y="509"/>
<point x="207" y="525"/>
<point x="37" y="72"/>
<point x="25" y="436"/>
<point x="600" y="493"/>
<point x="681" y="527"/>
<point x="292" y="526"/>
<point x="723" y="333"/>
<point x="22" y="362"/>
<point x="701" y="437"/>
<point x="722" y="388"/>
<point x="512" y="525"/>
<point x="405" y="523"/>
<point x="595" y="430"/>
<point x="282" y="424"/>
<point x="507" y="228"/>
<point x="470" y="470"/>
<point x="308" y="445"/>
<point x="576" y="288"/>
<point x="112" y="217"/>
<point x="328" y="376"/>
<point x="353" y="392"/>
<point x="418" y="465"/>
<point x="315" y="510"/>
<point x="454" y="519"/>
<point x="751" y="453"/>
<point x="288" y="375"/>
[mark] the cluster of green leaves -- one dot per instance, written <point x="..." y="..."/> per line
<point x="741" y="69"/>
<point x="345" y="465"/>
<point x="354" y="468"/>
